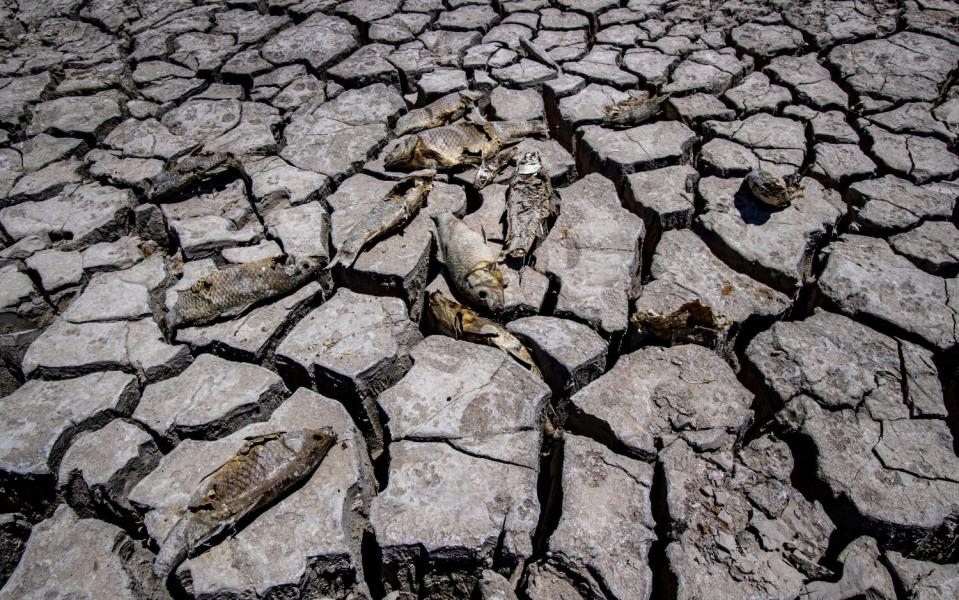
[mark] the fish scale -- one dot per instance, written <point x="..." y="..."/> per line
<point x="460" y="144"/>
<point x="529" y="203"/>
<point x="470" y="262"/>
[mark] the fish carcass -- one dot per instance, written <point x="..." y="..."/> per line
<point x="529" y="204"/>
<point x="232" y="290"/>
<point x="393" y="211"/>
<point x="470" y="263"/>
<point x="441" y="111"/>
<point x="178" y="176"/>
<point x="263" y="469"/>
<point x="459" y="322"/>
<point x="633" y="111"/>
<point x="771" y="189"/>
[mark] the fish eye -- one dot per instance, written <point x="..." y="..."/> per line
<point x="482" y="295"/>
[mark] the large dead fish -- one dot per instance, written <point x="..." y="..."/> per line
<point x="633" y="111"/>
<point x="441" y="111"/>
<point x="459" y="322"/>
<point x="529" y="203"/>
<point x="230" y="291"/>
<point x="259" y="473"/>
<point x="470" y="263"/>
<point x="462" y="143"/>
<point x="179" y="175"/>
<point x="394" y="210"/>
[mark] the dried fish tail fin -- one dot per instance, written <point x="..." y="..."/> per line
<point x="347" y="254"/>
<point x="174" y="550"/>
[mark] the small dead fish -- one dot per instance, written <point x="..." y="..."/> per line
<point x="440" y="112"/>
<point x="534" y="51"/>
<point x="529" y="203"/>
<point x="259" y="473"/>
<point x="490" y="169"/>
<point x="771" y="189"/>
<point x="633" y="111"/>
<point x="178" y="176"/>
<point x="461" y="323"/>
<point x="230" y="291"/>
<point x="470" y="263"/>
<point x="462" y="143"/>
<point x="393" y="211"/>
<point x="693" y="322"/>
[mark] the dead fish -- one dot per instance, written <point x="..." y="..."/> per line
<point x="440" y="112"/>
<point x="470" y="263"/>
<point x="490" y="169"/>
<point x="393" y="211"/>
<point x="633" y="111"/>
<point x="459" y="322"/>
<point x="693" y="322"/>
<point x="529" y="203"/>
<point x="230" y="291"/>
<point x="771" y="189"/>
<point x="178" y="176"/>
<point x="259" y="473"/>
<point x="534" y="51"/>
<point x="462" y="143"/>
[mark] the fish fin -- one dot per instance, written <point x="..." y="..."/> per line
<point x="258" y="440"/>
<point x="189" y="150"/>
<point x="488" y="330"/>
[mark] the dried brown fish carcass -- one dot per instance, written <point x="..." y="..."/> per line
<point x="393" y="211"/>
<point x="459" y="144"/>
<point x="459" y="322"/>
<point x="441" y="111"/>
<point x="470" y="263"/>
<point x="263" y="469"/>
<point x="771" y="189"/>
<point x="180" y="175"/>
<point x="490" y="168"/>
<point x="231" y="291"/>
<point x="529" y="204"/>
<point x="693" y="322"/>
<point x="633" y="111"/>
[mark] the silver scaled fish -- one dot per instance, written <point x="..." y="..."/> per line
<point x="232" y="290"/>
<point x="633" y="111"/>
<point x="529" y="204"/>
<point x="259" y="473"/>
<point x="441" y="111"/>
<point x="459" y="322"/>
<point x="771" y="189"/>
<point x="459" y="144"/>
<point x="470" y="263"/>
<point x="393" y="211"/>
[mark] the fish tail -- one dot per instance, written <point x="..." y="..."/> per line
<point x="346" y="255"/>
<point x="174" y="550"/>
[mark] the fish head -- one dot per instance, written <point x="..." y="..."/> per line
<point x="529" y="163"/>
<point x="484" y="287"/>
<point x="768" y="187"/>
<point x="301" y="267"/>
<point x="403" y="154"/>
<point x="310" y="442"/>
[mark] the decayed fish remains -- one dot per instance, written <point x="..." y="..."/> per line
<point x="470" y="263"/>
<point x="259" y="473"/>
<point x="232" y="290"/>
<point x="391" y="213"/>
<point x="459" y="144"/>
<point x="529" y="204"/>
<point x="771" y="189"/>
<point x="179" y="176"/>
<point x="440" y="112"/>
<point x="633" y="111"/>
<point x="693" y="322"/>
<point x="459" y="322"/>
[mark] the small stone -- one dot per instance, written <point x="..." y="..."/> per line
<point x="14" y="531"/>
<point x="468" y="18"/>
<point x="601" y="65"/>
<point x="111" y="256"/>
<point x="320" y="40"/>
<point x="69" y="349"/>
<point x="708" y="71"/>
<point x="524" y="74"/>
<point x="766" y="41"/>
<point x="127" y="172"/>
<point x="84" y="115"/>
<point x="756" y="94"/>
<point x="119" y="294"/>
<point x="441" y="82"/>
<point x="919" y="158"/>
<point x="725" y="158"/>
<point x="841" y="163"/>
<point x="57" y="269"/>
<point x="618" y="153"/>
<point x="211" y="398"/>
<point x="516" y="105"/>
<point x="921" y="579"/>
<point x="780" y="144"/>
<point x="245" y="254"/>
<point x="810" y="81"/>
<point x="48" y="180"/>
<point x="832" y="127"/>
<point x="570" y="354"/>
<point x="213" y="221"/>
<point x="664" y="198"/>
<point x="525" y="292"/>
<point x="593" y="250"/>
<point x="650" y="65"/>
<point x="696" y="108"/>
<point x="303" y="229"/>
<point x="891" y="204"/>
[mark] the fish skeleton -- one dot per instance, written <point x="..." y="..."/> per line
<point x="230" y="291"/>
<point x="462" y="143"/>
<point x="394" y="210"/>
<point x="529" y="203"/>
<point x="470" y="263"/>
<point x="633" y="111"/>
<point x="440" y="112"/>
<point x="179" y="175"/>
<point x="461" y="323"/>
<point x="771" y="189"/>
<point x="263" y="469"/>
